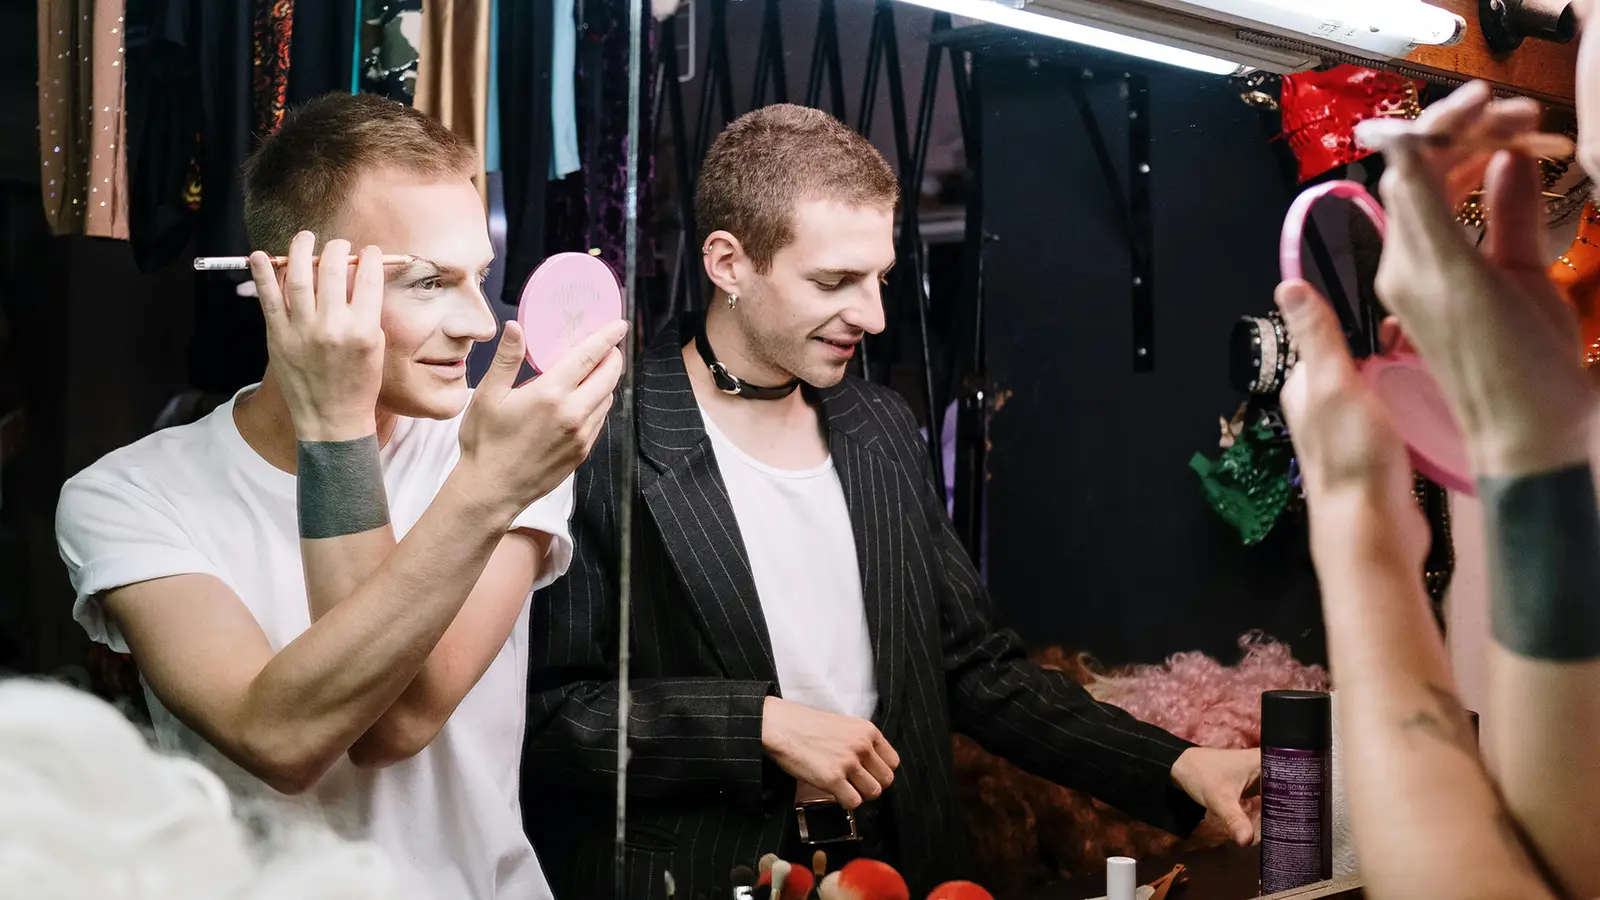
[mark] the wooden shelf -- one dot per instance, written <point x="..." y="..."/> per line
<point x="1538" y="69"/>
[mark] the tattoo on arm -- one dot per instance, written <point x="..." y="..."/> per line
<point x="340" y="486"/>
<point x="1447" y="722"/>
<point x="1543" y="540"/>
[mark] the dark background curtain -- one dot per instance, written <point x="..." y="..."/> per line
<point x="1099" y="534"/>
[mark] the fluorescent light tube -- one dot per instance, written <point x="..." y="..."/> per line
<point x="1000" y="14"/>
<point x="1390" y="28"/>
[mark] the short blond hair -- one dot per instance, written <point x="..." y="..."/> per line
<point x="301" y="176"/>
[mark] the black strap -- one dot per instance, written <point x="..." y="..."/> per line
<point x="726" y="381"/>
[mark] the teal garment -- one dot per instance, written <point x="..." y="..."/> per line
<point x="389" y="58"/>
<point x="564" y="156"/>
<point x="491" y="150"/>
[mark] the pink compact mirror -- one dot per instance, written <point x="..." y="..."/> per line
<point x="566" y="299"/>
<point x="1401" y="381"/>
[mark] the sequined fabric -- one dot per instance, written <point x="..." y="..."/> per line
<point x="587" y="209"/>
<point x="271" y="40"/>
<point x="1248" y="485"/>
<point x="83" y="152"/>
<point x="1322" y="109"/>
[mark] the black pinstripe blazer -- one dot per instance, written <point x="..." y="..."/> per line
<point x="702" y="797"/>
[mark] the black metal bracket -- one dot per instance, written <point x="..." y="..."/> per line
<point x="1507" y="22"/>
<point x="770" y="71"/>
<point x="1132" y="207"/>
<point x="825" y="61"/>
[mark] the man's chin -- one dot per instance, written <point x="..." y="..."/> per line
<point x="433" y="403"/>
<point x="823" y="373"/>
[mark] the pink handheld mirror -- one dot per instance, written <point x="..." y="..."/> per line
<point x="1401" y="381"/>
<point x="565" y="300"/>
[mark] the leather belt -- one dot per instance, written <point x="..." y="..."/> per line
<point x="823" y="822"/>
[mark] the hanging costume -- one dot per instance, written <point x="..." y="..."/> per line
<point x="82" y="143"/>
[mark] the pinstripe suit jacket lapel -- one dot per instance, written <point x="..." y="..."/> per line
<point x="689" y="502"/>
<point x="867" y="474"/>
<point x="688" y="498"/>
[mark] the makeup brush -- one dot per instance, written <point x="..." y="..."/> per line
<point x="242" y="263"/>
<point x="777" y="875"/>
<point x="819" y="864"/>
<point x="864" y="879"/>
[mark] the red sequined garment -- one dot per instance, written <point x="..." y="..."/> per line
<point x="1321" y="110"/>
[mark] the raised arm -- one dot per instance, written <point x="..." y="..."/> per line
<point x="1041" y="720"/>
<point x="1426" y="818"/>
<point x="287" y="716"/>
<point x="518" y="445"/>
<point x="1504" y="348"/>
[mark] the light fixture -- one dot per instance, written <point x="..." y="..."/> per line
<point x="1224" y="36"/>
<point x="1389" y="28"/>
<point x="999" y="13"/>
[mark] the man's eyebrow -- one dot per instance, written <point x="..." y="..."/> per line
<point x="848" y="273"/>
<point x="418" y="267"/>
<point x="422" y="267"/>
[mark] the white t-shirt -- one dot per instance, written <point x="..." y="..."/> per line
<point x="198" y="499"/>
<point x="796" y="530"/>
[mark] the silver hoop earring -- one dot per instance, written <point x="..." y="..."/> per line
<point x="733" y="300"/>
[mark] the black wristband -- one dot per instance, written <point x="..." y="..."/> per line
<point x="340" y="486"/>
<point x="1543" y="542"/>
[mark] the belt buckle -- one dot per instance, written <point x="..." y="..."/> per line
<point x="803" y="806"/>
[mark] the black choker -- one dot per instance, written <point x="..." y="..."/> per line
<point x="729" y="383"/>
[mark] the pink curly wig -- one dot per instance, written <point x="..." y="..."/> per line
<point x="1026" y="831"/>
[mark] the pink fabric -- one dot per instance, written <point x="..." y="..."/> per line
<point x="1199" y="699"/>
<point x="1026" y="832"/>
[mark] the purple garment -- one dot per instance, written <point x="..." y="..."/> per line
<point x="947" y="454"/>
<point x="587" y="209"/>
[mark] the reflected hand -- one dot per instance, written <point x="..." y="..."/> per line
<point x="1494" y="331"/>
<point x="1221" y="780"/>
<point x="845" y="756"/>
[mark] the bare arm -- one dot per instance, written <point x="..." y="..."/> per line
<point x="1427" y="819"/>
<point x="1503" y="346"/>
<point x="335" y="568"/>
<point x="287" y="716"/>
<point x="1414" y="778"/>
<point x="1543" y="544"/>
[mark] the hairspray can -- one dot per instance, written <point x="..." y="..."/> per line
<point x="1296" y="789"/>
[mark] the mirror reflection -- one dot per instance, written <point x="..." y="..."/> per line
<point x="852" y="449"/>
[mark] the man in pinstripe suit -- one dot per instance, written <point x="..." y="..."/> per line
<point x="807" y="629"/>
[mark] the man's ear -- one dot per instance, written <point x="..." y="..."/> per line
<point x="724" y="259"/>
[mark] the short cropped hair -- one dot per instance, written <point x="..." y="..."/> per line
<point x="301" y="176"/>
<point x="771" y="159"/>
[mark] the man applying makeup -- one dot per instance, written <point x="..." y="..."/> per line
<point x="325" y="582"/>
<point x="807" y="628"/>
